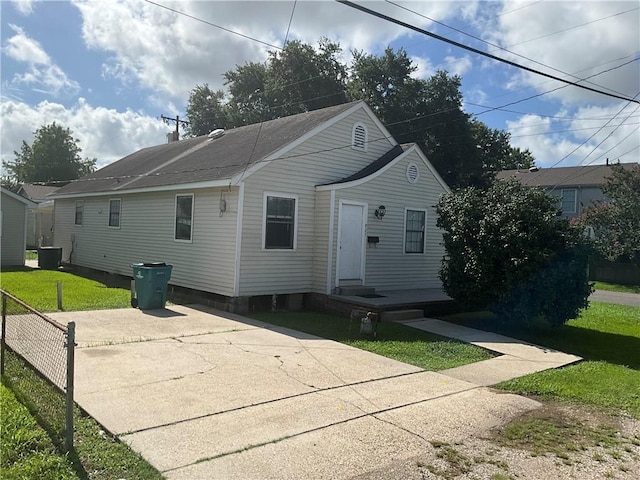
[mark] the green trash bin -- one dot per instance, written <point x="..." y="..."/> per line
<point x="151" y="281"/>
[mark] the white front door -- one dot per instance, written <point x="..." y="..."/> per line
<point x="351" y="242"/>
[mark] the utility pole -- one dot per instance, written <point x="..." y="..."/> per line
<point x="178" y="122"/>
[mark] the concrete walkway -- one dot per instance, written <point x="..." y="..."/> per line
<point x="204" y="394"/>
<point x="621" y="298"/>
<point x="518" y="358"/>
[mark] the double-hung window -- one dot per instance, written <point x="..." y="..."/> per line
<point x="568" y="200"/>
<point x="415" y="222"/>
<point x="184" y="217"/>
<point x="280" y="215"/>
<point x="79" y="213"/>
<point x="114" y="212"/>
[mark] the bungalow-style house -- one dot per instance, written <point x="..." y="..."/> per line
<point x="306" y="204"/>
<point x="576" y="187"/>
<point x="13" y="227"/>
<point x="39" y="218"/>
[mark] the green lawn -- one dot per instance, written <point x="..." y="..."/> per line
<point x="394" y="340"/>
<point x="32" y="415"/>
<point x="615" y="287"/>
<point x="38" y="289"/>
<point x="607" y="336"/>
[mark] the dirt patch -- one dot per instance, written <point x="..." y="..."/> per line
<point x="557" y="441"/>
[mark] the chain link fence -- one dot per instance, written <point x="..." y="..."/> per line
<point x="30" y="338"/>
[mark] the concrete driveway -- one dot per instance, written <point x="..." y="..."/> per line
<point x="204" y="394"/>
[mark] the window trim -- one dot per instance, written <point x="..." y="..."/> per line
<point x="353" y="137"/>
<point x="424" y="233"/>
<point x="119" y="200"/>
<point x="79" y="203"/>
<point x="175" y="218"/>
<point x="575" y="200"/>
<point x="296" y="200"/>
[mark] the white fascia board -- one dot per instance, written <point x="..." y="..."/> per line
<point x="279" y="153"/>
<point x="225" y="182"/>
<point x="360" y="181"/>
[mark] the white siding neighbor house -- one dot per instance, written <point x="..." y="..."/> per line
<point x="13" y="227"/>
<point x="303" y="204"/>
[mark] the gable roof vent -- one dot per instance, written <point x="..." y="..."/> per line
<point x="359" y="137"/>
<point x="217" y="133"/>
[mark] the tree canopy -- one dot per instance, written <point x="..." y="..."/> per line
<point x="54" y="156"/>
<point x="507" y="250"/>
<point x="428" y="112"/>
<point x="615" y="223"/>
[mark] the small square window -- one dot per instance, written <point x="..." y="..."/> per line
<point x="114" y="213"/>
<point x="280" y="219"/>
<point x="184" y="217"/>
<point x="79" y="213"/>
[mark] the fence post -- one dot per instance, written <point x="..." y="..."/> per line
<point x="59" y="292"/>
<point x="4" y="332"/>
<point x="71" y="344"/>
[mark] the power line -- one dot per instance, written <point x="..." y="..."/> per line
<point x="480" y="52"/>
<point x="286" y="37"/>
<point x="213" y="24"/>
<point x="491" y="44"/>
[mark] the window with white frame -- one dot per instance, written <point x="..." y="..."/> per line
<point x="184" y="217"/>
<point x="415" y="222"/>
<point x="359" y="137"/>
<point x="568" y="200"/>
<point x="79" y="213"/>
<point x="114" y="212"/>
<point x="280" y="218"/>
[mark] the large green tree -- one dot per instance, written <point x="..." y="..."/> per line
<point x="206" y="110"/>
<point x="615" y="223"/>
<point x="507" y="250"/>
<point x="54" y="156"/>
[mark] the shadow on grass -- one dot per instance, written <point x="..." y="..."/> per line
<point x="585" y="342"/>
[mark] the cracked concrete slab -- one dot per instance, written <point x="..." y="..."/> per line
<point x="205" y="394"/>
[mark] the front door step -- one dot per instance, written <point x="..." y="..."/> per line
<point x="356" y="290"/>
<point x="402" y="316"/>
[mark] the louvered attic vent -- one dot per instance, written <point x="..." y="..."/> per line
<point x="359" y="140"/>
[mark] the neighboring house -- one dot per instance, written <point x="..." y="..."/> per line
<point x="304" y="204"/>
<point x="575" y="187"/>
<point x="40" y="218"/>
<point x="13" y="227"/>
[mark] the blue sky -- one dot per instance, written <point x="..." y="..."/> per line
<point x="108" y="69"/>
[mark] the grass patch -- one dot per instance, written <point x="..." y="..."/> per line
<point x="38" y="288"/>
<point x="40" y="408"/>
<point x="607" y="336"/>
<point x="402" y="343"/>
<point x="616" y="287"/>
<point x="26" y="451"/>
<point x="31" y="255"/>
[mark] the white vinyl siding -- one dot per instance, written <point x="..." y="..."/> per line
<point x="387" y="266"/>
<point x="14" y="214"/>
<point x="115" y="205"/>
<point x="324" y="158"/>
<point x="147" y="235"/>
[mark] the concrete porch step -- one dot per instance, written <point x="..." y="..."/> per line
<point x="356" y="290"/>
<point x="402" y="316"/>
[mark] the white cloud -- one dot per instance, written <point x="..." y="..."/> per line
<point x="458" y="65"/>
<point x="24" y="7"/>
<point x="105" y="134"/>
<point x="170" y="53"/>
<point x="425" y="69"/>
<point x="42" y="74"/>
<point x="585" y="137"/>
<point x="604" y="31"/>
<point x="24" y="49"/>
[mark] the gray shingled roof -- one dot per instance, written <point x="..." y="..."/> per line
<point x="373" y="166"/>
<point x="588" y="175"/>
<point x="36" y="193"/>
<point x="200" y="159"/>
